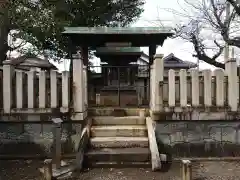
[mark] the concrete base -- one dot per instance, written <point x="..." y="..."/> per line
<point x="109" y="110"/>
<point x="64" y="172"/>
<point x="79" y="116"/>
<point x="191" y="114"/>
<point x="199" y="138"/>
<point x="155" y="116"/>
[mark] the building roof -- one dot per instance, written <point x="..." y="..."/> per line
<point x="116" y="30"/>
<point x="118" y="51"/>
<point x="98" y="36"/>
<point x="26" y="62"/>
<point x="171" y="61"/>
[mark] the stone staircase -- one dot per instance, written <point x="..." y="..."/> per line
<point x="118" y="142"/>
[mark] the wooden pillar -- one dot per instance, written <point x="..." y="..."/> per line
<point x="152" y="52"/>
<point x="84" y="52"/>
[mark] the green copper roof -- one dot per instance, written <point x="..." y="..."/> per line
<point x="118" y="50"/>
<point x="99" y="36"/>
<point x="117" y="30"/>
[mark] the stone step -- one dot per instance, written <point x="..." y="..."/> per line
<point x="118" y="142"/>
<point x="119" y="131"/>
<point x="125" y="120"/>
<point x="117" y="164"/>
<point x="118" y="155"/>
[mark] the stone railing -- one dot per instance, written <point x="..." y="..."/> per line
<point x="187" y="90"/>
<point x="33" y="92"/>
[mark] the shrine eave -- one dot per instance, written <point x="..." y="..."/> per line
<point x="98" y="36"/>
<point x="98" y="54"/>
<point x="127" y="51"/>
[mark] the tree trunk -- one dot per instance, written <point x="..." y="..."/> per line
<point x="4" y="31"/>
<point x="3" y="44"/>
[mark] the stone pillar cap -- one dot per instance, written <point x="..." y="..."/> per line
<point x="158" y="56"/>
<point x="77" y="56"/>
<point x="7" y="62"/>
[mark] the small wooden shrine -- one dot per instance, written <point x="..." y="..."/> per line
<point x="117" y="84"/>
<point x="119" y="74"/>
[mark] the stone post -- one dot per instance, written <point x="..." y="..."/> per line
<point x="47" y="170"/>
<point x="78" y="90"/>
<point x="7" y="87"/>
<point x="85" y="70"/>
<point x="186" y="170"/>
<point x="233" y="95"/>
<point x="57" y="139"/>
<point x="156" y="88"/>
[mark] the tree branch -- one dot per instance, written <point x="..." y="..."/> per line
<point x="235" y="5"/>
<point x="200" y="54"/>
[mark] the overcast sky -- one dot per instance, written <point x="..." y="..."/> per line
<point x="155" y="12"/>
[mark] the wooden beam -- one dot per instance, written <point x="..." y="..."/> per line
<point x="84" y="53"/>
<point x="152" y="52"/>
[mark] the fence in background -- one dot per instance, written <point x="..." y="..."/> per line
<point x="33" y="92"/>
<point x="204" y="89"/>
<point x="190" y="89"/>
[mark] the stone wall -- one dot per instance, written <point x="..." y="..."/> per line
<point x="198" y="138"/>
<point x="34" y="139"/>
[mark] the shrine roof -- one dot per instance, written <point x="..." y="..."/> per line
<point x="116" y="30"/>
<point x="118" y="51"/>
<point x="171" y="61"/>
<point x="97" y="36"/>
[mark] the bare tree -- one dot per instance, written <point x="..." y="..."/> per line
<point x="208" y="28"/>
<point x="236" y="5"/>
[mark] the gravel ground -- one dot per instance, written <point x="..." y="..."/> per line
<point x="15" y="170"/>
